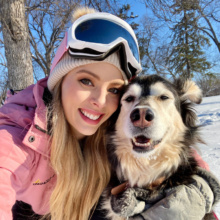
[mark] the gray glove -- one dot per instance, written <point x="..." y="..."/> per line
<point x="182" y="202"/>
<point x="132" y="201"/>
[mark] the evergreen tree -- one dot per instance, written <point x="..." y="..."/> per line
<point x="187" y="56"/>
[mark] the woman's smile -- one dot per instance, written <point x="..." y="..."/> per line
<point x="90" y="117"/>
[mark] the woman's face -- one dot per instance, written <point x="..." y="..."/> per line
<point x="90" y="95"/>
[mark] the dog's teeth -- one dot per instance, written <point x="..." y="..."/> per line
<point x="142" y="145"/>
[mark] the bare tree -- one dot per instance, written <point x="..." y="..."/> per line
<point x="3" y="75"/>
<point x="146" y="36"/>
<point x="37" y="26"/>
<point x="111" y="6"/>
<point x="154" y="48"/>
<point x="16" y="43"/>
<point x="209" y="83"/>
<point x="208" y="10"/>
<point x="48" y="21"/>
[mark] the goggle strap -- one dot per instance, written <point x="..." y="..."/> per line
<point x="131" y="78"/>
<point x="86" y="54"/>
<point x="60" y="52"/>
<point x="102" y="55"/>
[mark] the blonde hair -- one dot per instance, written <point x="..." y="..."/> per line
<point x="82" y="174"/>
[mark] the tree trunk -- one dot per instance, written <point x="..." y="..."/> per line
<point x="17" y="43"/>
<point x="188" y="69"/>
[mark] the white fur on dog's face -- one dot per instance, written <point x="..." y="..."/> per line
<point x="150" y="133"/>
<point x="164" y="130"/>
<point x="161" y="102"/>
<point x="150" y="137"/>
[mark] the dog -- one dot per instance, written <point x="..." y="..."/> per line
<point x="150" y="144"/>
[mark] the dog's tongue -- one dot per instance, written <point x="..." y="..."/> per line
<point x="142" y="139"/>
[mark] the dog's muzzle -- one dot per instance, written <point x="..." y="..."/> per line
<point x="142" y="118"/>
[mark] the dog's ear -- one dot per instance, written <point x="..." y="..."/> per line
<point x="191" y="92"/>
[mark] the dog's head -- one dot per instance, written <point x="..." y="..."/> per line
<point x="155" y="117"/>
<point x="153" y="110"/>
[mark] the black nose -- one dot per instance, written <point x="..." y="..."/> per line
<point x="142" y="117"/>
<point x="135" y="115"/>
<point x="149" y="115"/>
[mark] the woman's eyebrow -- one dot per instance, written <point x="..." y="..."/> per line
<point x="89" y="72"/>
<point x="117" y="84"/>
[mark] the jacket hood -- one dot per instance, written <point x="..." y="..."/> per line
<point x="26" y="110"/>
<point x="20" y="109"/>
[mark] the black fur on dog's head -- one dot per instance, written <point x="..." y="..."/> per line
<point x="155" y="128"/>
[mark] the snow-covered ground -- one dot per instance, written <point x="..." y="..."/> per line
<point x="209" y="116"/>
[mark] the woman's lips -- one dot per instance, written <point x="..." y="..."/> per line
<point x="90" y="117"/>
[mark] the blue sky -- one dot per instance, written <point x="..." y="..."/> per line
<point x="138" y="7"/>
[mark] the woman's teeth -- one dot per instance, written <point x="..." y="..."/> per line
<point x="90" y="116"/>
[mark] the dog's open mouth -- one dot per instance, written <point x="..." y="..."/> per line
<point x="143" y="144"/>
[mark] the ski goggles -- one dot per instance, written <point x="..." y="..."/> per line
<point x="95" y="36"/>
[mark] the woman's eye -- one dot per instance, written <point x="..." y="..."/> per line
<point x="86" y="82"/>
<point x="129" y="98"/>
<point x="164" y="97"/>
<point x="114" y="91"/>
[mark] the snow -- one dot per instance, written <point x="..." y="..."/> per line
<point x="208" y="113"/>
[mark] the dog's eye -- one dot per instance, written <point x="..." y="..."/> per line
<point x="129" y="98"/>
<point x="164" y="97"/>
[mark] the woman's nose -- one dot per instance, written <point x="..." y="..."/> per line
<point x="99" y="97"/>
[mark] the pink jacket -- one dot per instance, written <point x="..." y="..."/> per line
<point x="25" y="172"/>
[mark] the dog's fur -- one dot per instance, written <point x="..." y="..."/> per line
<point x="158" y="113"/>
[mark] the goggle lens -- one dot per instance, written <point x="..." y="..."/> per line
<point x="104" y="32"/>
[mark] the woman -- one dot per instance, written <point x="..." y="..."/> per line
<point x="53" y="156"/>
<point x="46" y="161"/>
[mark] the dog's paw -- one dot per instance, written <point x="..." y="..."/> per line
<point x="149" y="196"/>
<point x="126" y="204"/>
